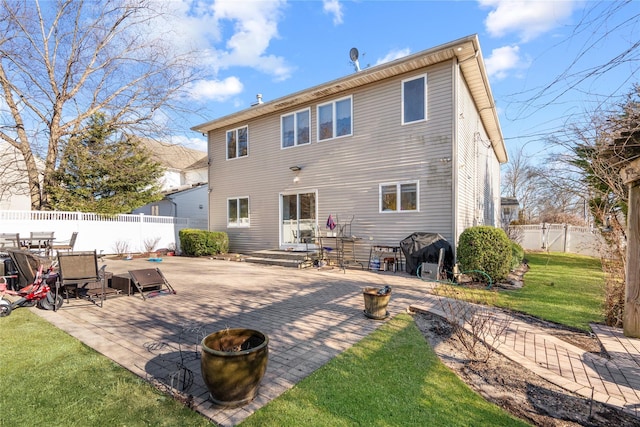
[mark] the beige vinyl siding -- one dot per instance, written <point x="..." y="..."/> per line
<point x="478" y="168"/>
<point x="467" y="166"/>
<point x="345" y="172"/>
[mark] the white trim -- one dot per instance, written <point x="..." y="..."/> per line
<point x="226" y="143"/>
<point x="398" y="185"/>
<point x="295" y="128"/>
<point x="334" y="119"/>
<point x="240" y="224"/>
<point x="402" y="122"/>
<point x="295" y="246"/>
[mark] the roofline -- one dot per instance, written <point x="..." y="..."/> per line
<point x="465" y="50"/>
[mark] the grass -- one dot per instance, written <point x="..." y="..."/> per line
<point x="391" y="378"/>
<point x="49" y="378"/>
<point x="563" y="288"/>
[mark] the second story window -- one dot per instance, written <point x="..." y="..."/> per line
<point x="237" y="142"/>
<point x="335" y="119"/>
<point x="296" y="128"/>
<point x="414" y="100"/>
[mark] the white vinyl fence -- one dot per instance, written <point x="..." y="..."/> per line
<point x="104" y="233"/>
<point x="560" y="238"/>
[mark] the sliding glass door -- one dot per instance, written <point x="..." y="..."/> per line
<point x="298" y="223"/>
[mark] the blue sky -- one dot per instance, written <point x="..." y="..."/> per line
<point x="279" y="47"/>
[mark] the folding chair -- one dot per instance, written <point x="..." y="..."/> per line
<point x="79" y="270"/>
<point x="27" y="265"/>
<point x="9" y="241"/>
<point x="66" y="245"/>
<point x="149" y="278"/>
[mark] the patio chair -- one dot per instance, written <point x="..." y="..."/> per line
<point x="40" y="241"/>
<point x="150" y="278"/>
<point x="27" y="264"/>
<point x="79" y="271"/>
<point x="9" y="240"/>
<point x="66" y="245"/>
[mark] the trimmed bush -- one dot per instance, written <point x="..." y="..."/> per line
<point x="517" y="255"/>
<point x="201" y="242"/>
<point x="485" y="249"/>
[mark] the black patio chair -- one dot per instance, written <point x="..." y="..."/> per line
<point x="27" y="265"/>
<point x="150" y="279"/>
<point x="79" y="271"/>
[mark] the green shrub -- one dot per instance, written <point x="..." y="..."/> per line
<point x="201" y="242"/>
<point x="517" y="255"/>
<point x="484" y="249"/>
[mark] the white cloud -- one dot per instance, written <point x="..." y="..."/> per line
<point x="225" y="34"/>
<point x="255" y="24"/>
<point x="333" y="7"/>
<point x="501" y="61"/>
<point x="527" y="18"/>
<point x="216" y="90"/>
<point x="393" y="55"/>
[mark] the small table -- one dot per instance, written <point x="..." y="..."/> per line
<point x="122" y="282"/>
<point x="38" y="244"/>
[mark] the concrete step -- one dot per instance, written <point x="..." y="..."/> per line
<point x="293" y="259"/>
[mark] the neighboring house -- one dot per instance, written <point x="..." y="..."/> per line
<point x="184" y="182"/>
<point x="14" y="188"/>
<point x="183" y="166"/>
<point x="510" y="209"/>
<point x="413" y="145"/>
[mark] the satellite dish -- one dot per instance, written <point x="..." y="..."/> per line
<point x="353" y="54"/>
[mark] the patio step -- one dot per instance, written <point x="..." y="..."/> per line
<point x="295" y="259"/>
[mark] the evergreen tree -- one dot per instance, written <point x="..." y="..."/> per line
<point x="102" y="173"/>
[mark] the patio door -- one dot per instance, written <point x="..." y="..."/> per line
<point x="298" y="220"/>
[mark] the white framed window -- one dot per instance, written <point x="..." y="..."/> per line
<point x="335" y="119"/>
<point x="399" y="197"/>
<point x="414" y="99"/>
<point x="238" y="212"/>
<point x="238" y="142"/>
<point x="296" y="128"/>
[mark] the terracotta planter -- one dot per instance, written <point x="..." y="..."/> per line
<point x="233" y="363"/>
<point x="375" y="305"/>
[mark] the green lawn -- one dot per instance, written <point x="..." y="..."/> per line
<point x="563" y="288"/>
<point x="391" y="378"/>
<point x="49" y="378"/>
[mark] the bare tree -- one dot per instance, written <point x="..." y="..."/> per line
<point x="522" y="180"/>
<point x="61" y="62"/>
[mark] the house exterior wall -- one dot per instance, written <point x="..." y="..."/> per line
<point x="171" y="179"/>
<point x="478" y="169"/>
<point x="345" y="173"/>
<point x="191" y="203"/>
<point x="195" y="176"/>
<point x="14" y="189"/>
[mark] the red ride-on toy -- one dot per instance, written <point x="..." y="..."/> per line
<point x="39" y="292"/>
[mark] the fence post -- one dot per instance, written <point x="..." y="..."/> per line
<point x="631" y="321"/>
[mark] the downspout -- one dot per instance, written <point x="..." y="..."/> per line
<point x="175" y="207"/>
<point x="454" y="156"/>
